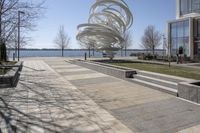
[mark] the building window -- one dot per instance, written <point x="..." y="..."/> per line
<point x="198" y="28"/>
<point x="196" y="6"/>
<point x="189" y="6"/>
<point x="199" y="50"/>
<point x="184" y="5"/>
<point x="179" y="36"/>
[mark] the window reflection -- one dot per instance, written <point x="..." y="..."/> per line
<point x="198" y="28"/>
<point x="196" y="5"/>
<point x="180" y="37"/>
<point x="189" y="6"/>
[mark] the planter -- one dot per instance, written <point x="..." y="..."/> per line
<point x="118" y="72"/>
<point x="10" y="79"/>
<point x="189" y="91"/>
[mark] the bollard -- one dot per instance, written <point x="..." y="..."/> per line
<point x="85" y="56"/>
<point x="13" y="56"/>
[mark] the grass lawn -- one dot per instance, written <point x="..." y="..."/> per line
<point x="164" y="69"/>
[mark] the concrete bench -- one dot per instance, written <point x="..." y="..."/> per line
<point x="189" y="91"/>
<point x="10" y="79"/>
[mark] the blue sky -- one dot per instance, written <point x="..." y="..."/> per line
<point x="70" y="13"/>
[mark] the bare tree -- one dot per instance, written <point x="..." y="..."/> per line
<point x="62" y="40"/>
<point x="9" y="18"/>
<point x="9" y="10"/>
<point x="128" y="41"/>
<point x="151" y="38"/>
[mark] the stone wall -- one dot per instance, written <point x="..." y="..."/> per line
<point x="117" y="72"/>
<point x="10" y="79"/>
<point x="189" y="91"/>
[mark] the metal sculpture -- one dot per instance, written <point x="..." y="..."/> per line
<point x="108" y="21"/>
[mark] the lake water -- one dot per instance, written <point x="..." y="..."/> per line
<point x="70" y="53"/>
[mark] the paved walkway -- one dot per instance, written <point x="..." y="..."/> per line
<point x="140" y="108"/>
<point x="55" y="96"/>
<point x="45" y="102"/>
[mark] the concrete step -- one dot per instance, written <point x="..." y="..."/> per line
<point x="155" y="86"/>
<point x="163" y="76"/>
<point x="157" y="81"/>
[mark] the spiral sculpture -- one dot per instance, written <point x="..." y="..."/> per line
<point x="108" y="21"/>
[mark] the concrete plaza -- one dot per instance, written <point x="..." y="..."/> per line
<point x="55" y="96"/>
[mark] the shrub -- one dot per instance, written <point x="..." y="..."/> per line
<point x="133" y="54"/>
<point x="3" y="52"/>
<point x="147" y="56"/>
<point x="141" y="56"/>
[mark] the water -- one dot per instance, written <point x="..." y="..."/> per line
<point x="70" y="53"/>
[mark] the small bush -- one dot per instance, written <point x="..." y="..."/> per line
<point x="140" y="56"/>
<point x="147" y="56"/>
<point x="133" y="54"/>
<point x="3" y="52"/>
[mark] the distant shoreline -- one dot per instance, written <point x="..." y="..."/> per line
<point x="73" y="52"/>
<point x="46" y="49"/>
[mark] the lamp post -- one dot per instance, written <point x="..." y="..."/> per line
<point x="164" y="43"/>
<point x="125" y="50"/>
<point x="19" y="12"/>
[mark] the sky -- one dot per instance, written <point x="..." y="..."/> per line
<point x="71" y="13"/>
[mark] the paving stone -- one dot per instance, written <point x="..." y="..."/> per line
<point x="84" y="76"/>
<point x="160" y="116"/>
<point x="77" y="72"/>
<point x="64" y="66"/>
<point x="44" y="101"/>
<point x="94" y="81"/>
<point x="71" y="70"/>
<point x="140" y="108"/>
<point x="194" y="129"/>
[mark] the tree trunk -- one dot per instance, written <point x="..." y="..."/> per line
<point x="3" y="52"/>
<point x="0" y="25"/>
<point x="93" y="52"/>
<point x="125" y="51"/>
<point x="153" y="50"/>
<point x="121" y="52"/>
<point x="62" y="52"/>
<point x="89" y="52"/>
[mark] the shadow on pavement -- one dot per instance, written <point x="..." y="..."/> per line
<point x="37" y="105"/>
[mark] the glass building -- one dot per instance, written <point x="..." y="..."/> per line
<point x="189" y="6"/>
<point x="185" y="30"/>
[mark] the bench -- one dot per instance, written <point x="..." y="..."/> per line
<point x="10" y="79"/>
